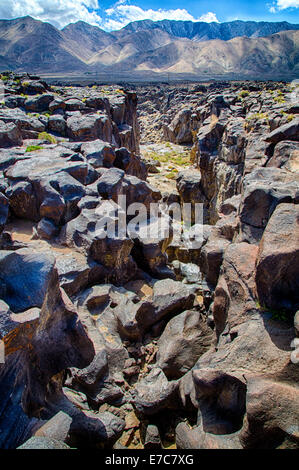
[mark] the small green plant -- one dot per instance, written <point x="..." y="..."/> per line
<point x="288" y="116"/>
<point x="244" y="93"/>
<point x="168" y="145"/>
<point x="172" y="157"/>
<point x="172" y="175"/>
<point x="279" y="99"/>
<point x="279" y="315"/>
<point x="33" y="148"/>
<point x="47" y="137"/>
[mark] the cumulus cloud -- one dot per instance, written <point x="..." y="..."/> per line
<point x="209" y="18"/>
<point x="62" y="12"/>
<point x="57" y="12"/>
<point x="121" y="14"/>
<point x="283" y="5"/>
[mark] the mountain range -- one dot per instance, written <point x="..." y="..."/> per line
<point x="237" y="48"/>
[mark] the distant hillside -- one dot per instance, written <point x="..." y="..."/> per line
<point x="177" y="47"/>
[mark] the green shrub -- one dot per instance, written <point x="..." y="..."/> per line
<point x="244" y="93"/>
<point x="47" y="137"/>
<point x="33" y="148"/>
<point x="172" y="175"/>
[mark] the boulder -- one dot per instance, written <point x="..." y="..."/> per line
<point x="169" y="298"/>
<point x="130" y="164"/>
<point x="185" y="338"/>
<point x="234" y="297"/>
<point x="264" y="189"/>
<point x="98" y="153"/>
<point x="271" y="415"/>
<point x="152" y="438"/>
<point x="33" y="87"/>
<point x="289" y="131"/>
<point x="278" y="259"/>
<point x="154" y="393"/>
<point x="74" y="104"/>
<point x="89" y="127"/>
<point x="46" y="229"/>
<point x="57" y="124"/>
<point x="179" y="131"/>
<point x="221" y="399"/>
<point x="39" y="103"/>
<point x="25" y="277"/>
<point x="109" y="250"/>
<point x="10" y="135"/>
<point x="57" y="428"/>
<point x="22" y="200"/>
<point x="29" y="127"/>
<point x="211" y="257"/>
<point x="196" y="438"/>
<point x="286" y="155"/>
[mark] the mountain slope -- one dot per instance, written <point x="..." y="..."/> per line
<point x="29" y="44"/>
<point x="86" y="39"/>
<point x="151" y="47"/>
<point x="276" y="54"/>
<point x="201" y="31"/>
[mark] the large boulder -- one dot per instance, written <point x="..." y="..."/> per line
<point x="24" y="278"/>
<point x="271" y="415"/>
<point x="179" y="131"/>
<point x="264" y="189"/>
<point x="39" y="343"/>
<point x="154" y="393"/>
<point x="98" y="153"/>
<point x="289" y="131"/>
<point x="10" y="135"/>
<point x="130" y="164"/>
<point x="39" y="103"/>
<point x="277" y="278"/>
<point x="234" y="298"/>
<point x="111" y="251"/>
<point x="169" y="298"/>
<point x="185" y="338"/>
<point x="29" y="127"/>
<point x="286" y="155"/>
<point x="89" y="127"/>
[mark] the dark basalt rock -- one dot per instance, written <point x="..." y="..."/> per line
<point x="278" y="258"/>
<point x="211" y="356"/>
<point x="10" y="135"/>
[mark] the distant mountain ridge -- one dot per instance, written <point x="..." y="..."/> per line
<point x="176" y="47"/>
<point x="201" y="31"/>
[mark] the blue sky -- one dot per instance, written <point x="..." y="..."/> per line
<point x="111" y="15"/>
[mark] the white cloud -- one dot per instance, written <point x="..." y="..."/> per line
<point x="121" y="14"/>
<point x="283" y="5"/>
<point x="62" y="12"/>
<point x="209" y="17"/>
<point x="57" y="12"/>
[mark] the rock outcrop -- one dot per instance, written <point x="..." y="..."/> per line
<point x="115" y="332"/>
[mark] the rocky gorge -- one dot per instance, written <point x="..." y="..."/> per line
<point x="124" y="342"/>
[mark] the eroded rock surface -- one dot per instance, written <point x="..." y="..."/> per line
<point x="138" y="341"/>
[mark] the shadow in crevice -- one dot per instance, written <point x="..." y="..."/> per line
<point x="280" y="332"/>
